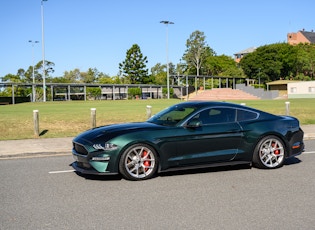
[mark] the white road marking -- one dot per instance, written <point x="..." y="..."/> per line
<point x="64" y="171"/>
<point x="308" y="152"/>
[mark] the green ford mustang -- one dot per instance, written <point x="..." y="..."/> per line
<point x="189" y="135"/>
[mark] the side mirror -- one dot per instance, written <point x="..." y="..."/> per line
<point x="194" y="123"/>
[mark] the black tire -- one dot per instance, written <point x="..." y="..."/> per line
<point x="138" y="162"/>
<point x="269" y="153"/>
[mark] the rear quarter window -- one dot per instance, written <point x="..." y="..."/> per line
<point x="245" y="115"/>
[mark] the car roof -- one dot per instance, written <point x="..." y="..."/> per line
<point x="201" y="104"/>
<point x="204" y="104"/>
<point x="207" y="104"/>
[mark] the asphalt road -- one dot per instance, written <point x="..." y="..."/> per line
<point x="44" y="193"/>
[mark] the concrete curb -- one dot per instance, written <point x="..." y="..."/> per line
<point x="27" y="147"/>
<point x="309" y="136"/>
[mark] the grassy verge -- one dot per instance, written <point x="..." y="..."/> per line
<point x="68" y="118"/>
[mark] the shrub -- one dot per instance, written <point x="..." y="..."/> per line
<point x="164" y="91"/>
<point x="133" y="92"/>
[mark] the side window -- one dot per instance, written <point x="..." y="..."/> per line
<point x="216" y="115"/>
<point x="244" y="115"/>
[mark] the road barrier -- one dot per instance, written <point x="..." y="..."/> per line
<point x="93" y="117"/>
<point x="149" y="111"/>
<point x="36" y="123"/>
<point x="287" y="108"/>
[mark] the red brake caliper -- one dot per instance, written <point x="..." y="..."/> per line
<point x="276" y="152"/>
<point x="146" y="163"/>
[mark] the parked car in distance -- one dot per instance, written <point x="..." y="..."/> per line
<point x="189" y="135"/>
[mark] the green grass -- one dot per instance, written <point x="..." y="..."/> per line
<point x="69" y="118"/>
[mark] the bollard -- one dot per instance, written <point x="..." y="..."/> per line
<point x="149" y="111"/>
<point x="287" y="108"/>
<point x="36" y="123"/>
<point x="93" y="117"/>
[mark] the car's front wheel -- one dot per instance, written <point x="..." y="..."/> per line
<point x="138" y="162"/>
<point x="269" y="153"/>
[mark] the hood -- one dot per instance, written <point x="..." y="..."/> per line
<point x="108" y="132"/>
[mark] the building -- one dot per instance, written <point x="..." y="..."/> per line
<point x="293" y="89"/>
<point x="238" y="56"/>
<point x="281" y="86"/>
<point x="302" y="89"/>
<point x="301" y="36"/>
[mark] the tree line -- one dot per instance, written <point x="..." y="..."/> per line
<point x="267" y="63"/>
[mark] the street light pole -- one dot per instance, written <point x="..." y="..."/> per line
<point x="167" y="64"/>
<point x="43" y="51"/>
<point x="33" y="86"/>
<point x="259" y="78"/>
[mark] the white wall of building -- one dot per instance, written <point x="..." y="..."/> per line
<point x="303" y="89"/>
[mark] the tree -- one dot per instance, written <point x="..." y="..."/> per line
<point x="72" y="76"/>
<point x="18" y="78"/>
<point x="90" y="76"/>
<point x="116" y="80"/>
<point x="49" y="68"/>
<point x="11" y="78"/>
<point x="106" y="79"/>
<point x="280" y="61"/>
<point x="159" y="74"/>
<point x="134" y="66"/>
<point x="94" y="92"/>
<point x="59" y="80"/>
<point x="305" y="60"/>
<point x="197" y="51"/>
<point x="269" y="62"/>
<point x="222" y="66"/>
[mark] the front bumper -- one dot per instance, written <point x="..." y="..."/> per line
<point x="96" y="163"/>
<point x="296" y="144"/>
<point x="77" y="166"/>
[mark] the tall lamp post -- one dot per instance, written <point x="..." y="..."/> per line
<point x="33" y="86"/>
<point x="43" y="51"/>
<point x="259" y="78"/>
<point x="167" y="65"/>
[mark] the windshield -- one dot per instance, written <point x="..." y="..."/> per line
<point x="172" y="115"/>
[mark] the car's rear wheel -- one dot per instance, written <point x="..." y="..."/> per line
<point x="138" y="162"/>
<point x="269" y="153"/>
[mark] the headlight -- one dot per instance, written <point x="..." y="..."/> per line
<point x="106" y="147"/>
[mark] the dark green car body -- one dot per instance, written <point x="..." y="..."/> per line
<point x="181" y="139"/>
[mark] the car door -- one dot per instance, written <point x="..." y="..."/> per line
<point x="211" y="136"/>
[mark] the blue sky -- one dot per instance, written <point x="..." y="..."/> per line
<point x="97" y="33"/>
